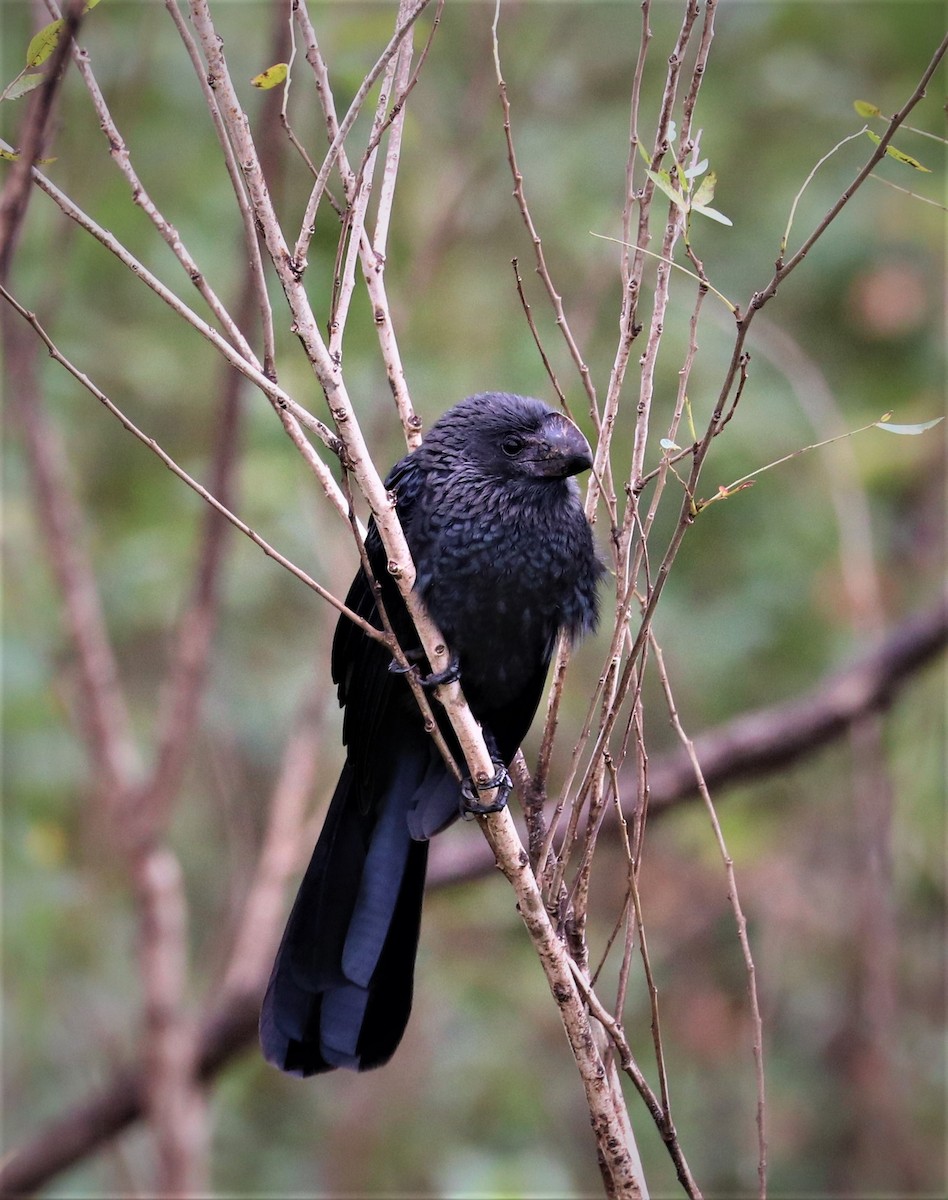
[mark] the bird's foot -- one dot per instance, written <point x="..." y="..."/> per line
<point x="470" y="792"/>
<point x="450" y="674"/>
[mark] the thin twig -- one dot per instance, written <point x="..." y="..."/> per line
<point x="740" y="920"/>
<point x="308" y="226"/>
<point x="755" y="744"/>
<point x="16" y="190"/>
<point x="170" y="463"/>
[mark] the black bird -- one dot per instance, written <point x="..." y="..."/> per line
<point x="505" y="562"/>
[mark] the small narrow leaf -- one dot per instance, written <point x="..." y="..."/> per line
<point x="902" y="157"/>
<point x="672" y="131"/>
<point x="662" y="181"/>
<point x="697" y="169"/>
<point x="271" y="77"/>
<point x="898" y="155"/>
<point x="14" y="156"/>
<point x="865" y="109"/>
<point x="44" y="43"/>
<point x="705" y="192"/>
<point x="24" y="84"/>
<point x="668" y="444"/>
<point x="910" y="430"/>
<point x="712" y="213"/>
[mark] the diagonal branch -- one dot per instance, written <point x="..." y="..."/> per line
<point x="16" y="192"/>
<point x="753" y="745"/>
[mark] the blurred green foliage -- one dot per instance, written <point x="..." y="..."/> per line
<point x="481" y="1099"/>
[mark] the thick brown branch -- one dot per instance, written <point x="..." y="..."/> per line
<point x="764" y="741"/>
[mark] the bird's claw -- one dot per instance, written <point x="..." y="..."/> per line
<point x="450" y="674"/>
<point x="470" y="792"/>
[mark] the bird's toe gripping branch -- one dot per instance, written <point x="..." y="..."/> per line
<point x="450" y="674"/>
<point x="470" y="792"/>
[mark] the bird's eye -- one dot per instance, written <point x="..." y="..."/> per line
<point x="512" y="444"/>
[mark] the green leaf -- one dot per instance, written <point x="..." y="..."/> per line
<point x="44" y="43"/>
<point x="15" y="156"/>
<point x="271" y="77"/>
<point x="662" y="181"/>
<point x="898" y="155"/>
<point x="910" y="430"/>
<point x="697" y="169"/>
<point x="901" y="157"/>
<point x="705" y="192"/>
<point x="865" y="109"/>
<point x="668" y="444"/>
<point x="23" y="84"/>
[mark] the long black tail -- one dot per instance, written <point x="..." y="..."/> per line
<point x="341" y="987"/>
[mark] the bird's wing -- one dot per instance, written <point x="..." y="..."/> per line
<point x="360" y="665"/>
<point x="506" y="725"/>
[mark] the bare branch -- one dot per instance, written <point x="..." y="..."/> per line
<point x="740" y="919"/>
<point x="769" y="739"/>
<point x="284" y="403"/>
<point x="173" y="1094"/>
<point x="102" y="713"/>
<point x="752" y="745"/>
<point x="169" y="462"/>
<point x="16" y="190"/>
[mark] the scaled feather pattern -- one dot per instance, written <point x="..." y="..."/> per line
<point x="505" y="563"/>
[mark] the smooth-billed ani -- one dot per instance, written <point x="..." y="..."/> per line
<point x="505" y="562"/>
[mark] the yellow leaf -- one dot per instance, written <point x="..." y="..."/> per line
<point x="898" y="155"/>
<point x="43" y="43"/>
<point x="14" y="156"/>
<point x="270" y="77"/>
<point x="865" y="109"/>
<point x="901" y="157"/>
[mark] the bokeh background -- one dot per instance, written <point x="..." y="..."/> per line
<point x="840" y="859"/>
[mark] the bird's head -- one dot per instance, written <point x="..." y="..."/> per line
<point x="509" y="437"/>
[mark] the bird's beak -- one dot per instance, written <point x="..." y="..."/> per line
<point x="561" y="450"/>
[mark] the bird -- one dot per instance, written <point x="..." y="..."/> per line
<point x="505" y="564"/>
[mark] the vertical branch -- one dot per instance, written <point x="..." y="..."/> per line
<point x="556" y="300"/>
<point x="374" y="256"/>
<point x="872" y="1012"/>
<point x="257" y="928"/>
<point x="175" y="1101"/>
<point x="101" y="711"/>
<point x="618" y="1157"/>
<point x="739" y="918"/>
<point x="308" y="227"/>
<point x="187" y="676"/>
<point x="166" y="230"/>
<point x="248" y="225"/>
<point x="629" y="284"/>
<point x="16" y="191"/>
